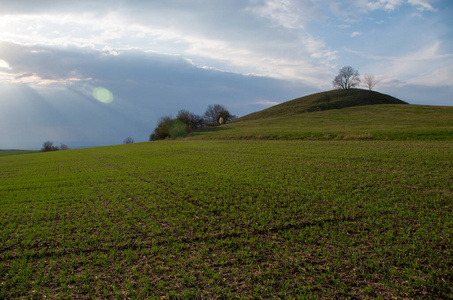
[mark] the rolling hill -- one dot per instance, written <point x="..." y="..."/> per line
<point x="340" y="114"/>
<point x="335" y="99"/>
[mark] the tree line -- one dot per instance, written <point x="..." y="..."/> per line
<point x="187" y="122"/>
<point x="49" y="146"/>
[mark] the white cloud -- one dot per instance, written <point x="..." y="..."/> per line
<point x="283" y="13"/>
<point x="266" y="102"/>
<point x="388" y="5"/>
<point x="356" y="7"/>
<point x="422" y="5"/>
<point x="145" y="86"/>
<point x="4" y="65"/>
<point x="436" y="77"/>
<point x="292" y="14"/>
<point x="259" y="37"/>
<point x="257" y="51"/>
<point x="366" y="6"/>
<point x="425" y="66"/>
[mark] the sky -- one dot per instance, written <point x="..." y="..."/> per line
<point x="92" y="73"/>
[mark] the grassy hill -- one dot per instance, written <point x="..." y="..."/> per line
<point x="335" y="99"/>
<point x="340" y="114"/>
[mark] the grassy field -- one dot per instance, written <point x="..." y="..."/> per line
<point x="230" y="219"/>
<point x="379" y="122"/>
<point x="15" y="152"/>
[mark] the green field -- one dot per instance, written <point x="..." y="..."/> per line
<point x="378" y="122"/>
<point x="329" y="219"/>
<point x="15" y="152"/>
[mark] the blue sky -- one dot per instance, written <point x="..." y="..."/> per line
<point x="157" y="57"/>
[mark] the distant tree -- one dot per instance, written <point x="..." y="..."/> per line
<point x="162" y="130"/>
<point x="369" y="81"/>
<point x="128" y="140"/>
<point x="192" y="121"/>
<point x="177" y="129"/>
<point x="63" y="147"/>
<point x="215" y="112"/>
<point x="185" y="122"/>
<point x="48" y="146"/>
<point x="347" y="78"/>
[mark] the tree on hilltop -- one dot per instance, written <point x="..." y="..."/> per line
<point x="369" y="81"/>
<point x="347" y="78"/>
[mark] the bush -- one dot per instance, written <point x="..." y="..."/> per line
<point x="162" y="130"/>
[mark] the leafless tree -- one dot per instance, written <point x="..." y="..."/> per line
<point x="192" y="120"/>
<point x="64" y="147"/>
<point x="128" y="140"/>
<point x="215" y="112"/>
<point x="369" y="81"/>
<point x="347" y="78"/>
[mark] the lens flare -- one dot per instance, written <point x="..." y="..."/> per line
<point x="103" y="95"/>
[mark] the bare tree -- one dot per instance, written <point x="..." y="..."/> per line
<point x="215" y="112"/>
<point x="48" y="146"/>
<point x="347" y="78"/>
<point x="192" y="120"/>
<point x="369" y="81"/>
<point x="128" y="140"/>
<point x="64" y="147"/>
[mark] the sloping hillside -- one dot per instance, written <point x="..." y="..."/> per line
<point x="363" y="115"/>
<point x="334" y="99"/>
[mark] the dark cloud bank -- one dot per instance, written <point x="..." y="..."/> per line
<point x="59" y="105"/>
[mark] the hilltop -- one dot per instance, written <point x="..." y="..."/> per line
<point x="335" y="99"/>
<point x="340" y="114"/>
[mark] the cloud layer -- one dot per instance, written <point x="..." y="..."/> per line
<point x="54" y="89"/>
